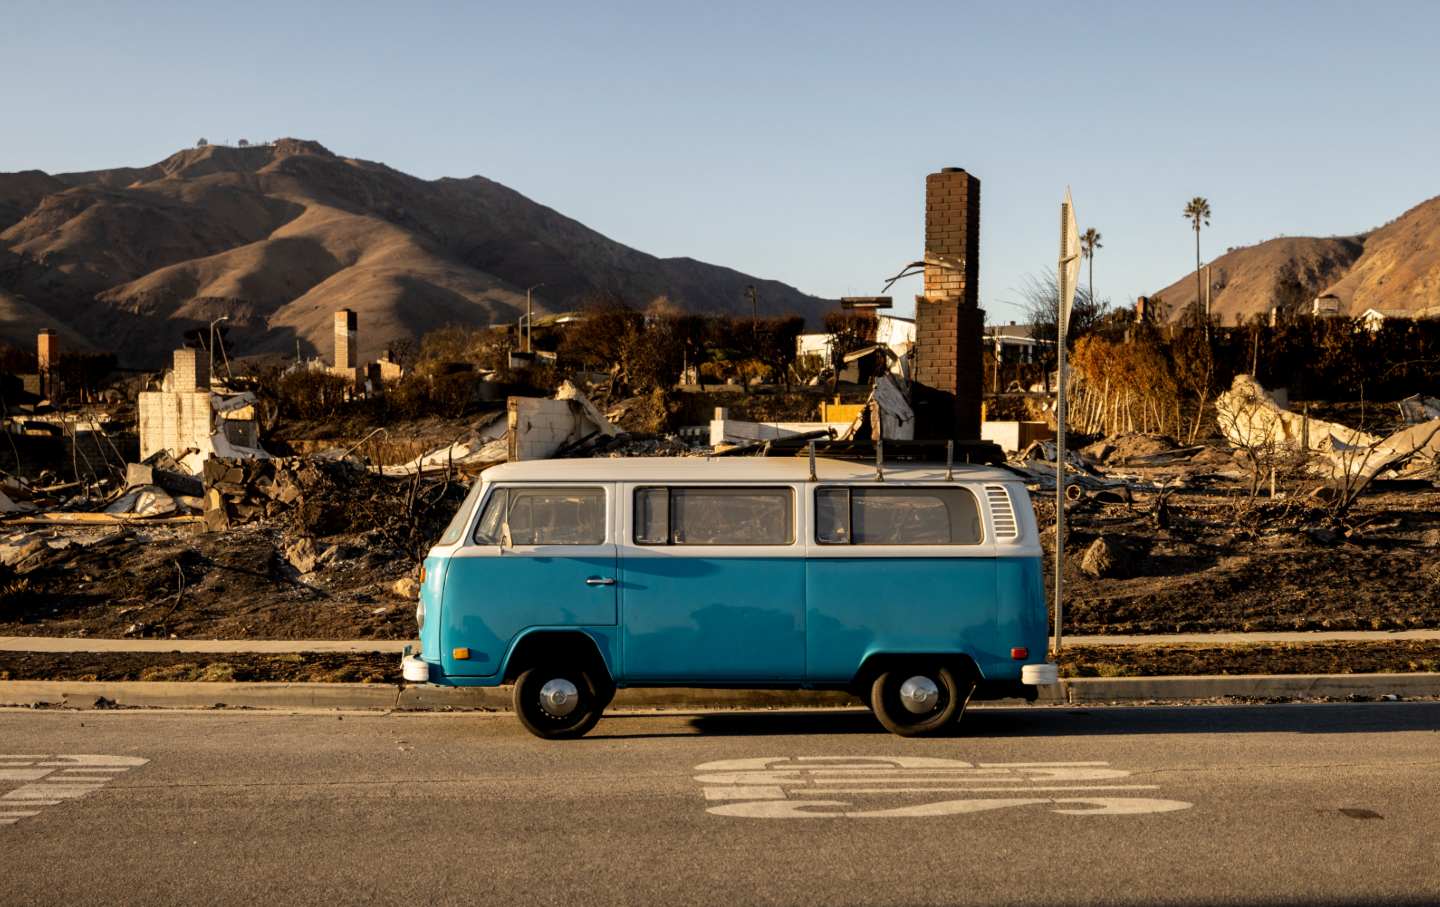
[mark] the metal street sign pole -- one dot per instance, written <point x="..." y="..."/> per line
<point x="1066" y="275"/>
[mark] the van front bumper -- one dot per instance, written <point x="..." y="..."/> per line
<point x="1042" y="674"/>
<point x="414" y="670"/>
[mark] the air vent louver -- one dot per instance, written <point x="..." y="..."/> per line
<point x="1002" y="512"/>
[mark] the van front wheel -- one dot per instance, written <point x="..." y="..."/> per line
<point x="919" y="699"/>
<point x="557" y="702"/>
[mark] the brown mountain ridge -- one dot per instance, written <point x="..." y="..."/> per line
<point x="1394" y="269"/>
<point x="276" y="237"/>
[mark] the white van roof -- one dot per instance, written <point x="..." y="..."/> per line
<point x="732" y="469"/>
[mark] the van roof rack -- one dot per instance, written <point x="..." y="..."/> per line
<point x="975" y="452"/>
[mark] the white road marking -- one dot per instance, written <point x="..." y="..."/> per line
<point x="55" y="779"/>
<point x="968" y="790"/>
<point x="762" y="787"/>
<point x="10" y="818"/>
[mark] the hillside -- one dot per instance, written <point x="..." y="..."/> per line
<point x="277" y="237"/>
<point x="1395" y="269"/>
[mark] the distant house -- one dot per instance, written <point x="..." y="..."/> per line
<point x="1327" y="306"/>
<point x="1016" y="342"/>
<point x="892" y="331"/>
<point x="1373" y="319"/>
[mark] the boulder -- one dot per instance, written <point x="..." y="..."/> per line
<point x="302" y="555"/>
<point x="1107" y="558"/>
<point x="406" y="587"/>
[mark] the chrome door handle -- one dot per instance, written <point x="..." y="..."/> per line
<point x="600" y="581"/>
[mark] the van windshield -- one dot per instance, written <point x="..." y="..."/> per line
<point x="456" y="529"/>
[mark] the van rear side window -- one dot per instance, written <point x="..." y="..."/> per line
<point x="714" y="516"/>
<point x="896" y="516"/>
<point x="543" y="516"/>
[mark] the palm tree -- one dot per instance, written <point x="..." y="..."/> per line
<point x="1198" y="212"/>
<point x="1089" y="242"/>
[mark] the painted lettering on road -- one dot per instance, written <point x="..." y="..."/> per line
<point x="48" y="780"/>
<point x="806" y="787"/>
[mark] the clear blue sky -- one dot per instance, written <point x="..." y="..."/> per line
<point x="789" y="140"/>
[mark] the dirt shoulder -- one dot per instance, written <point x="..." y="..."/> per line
<point x="1209" y="560"/>
<point x="1400" y="657"/>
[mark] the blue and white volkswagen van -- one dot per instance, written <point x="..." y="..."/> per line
<point x="917" y="588"/>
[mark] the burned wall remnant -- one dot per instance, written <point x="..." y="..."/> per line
<point x="47" y="357"/>
<point x="949" y="324"/>
<point x="187" y="420"/>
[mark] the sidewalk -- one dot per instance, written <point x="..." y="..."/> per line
<point x="56" y="644"/>
<point x="64" y="644"/>
<point x="1263" y="638"/>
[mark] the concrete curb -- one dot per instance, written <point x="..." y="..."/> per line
<point x="389" y="697"/>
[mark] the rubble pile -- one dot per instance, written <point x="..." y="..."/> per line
<point x="1252" y="421"/>
<point x="237" y="492"/>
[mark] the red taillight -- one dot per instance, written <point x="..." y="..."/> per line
<point x="422" y="574"/>
<point x="1019" y="653"/>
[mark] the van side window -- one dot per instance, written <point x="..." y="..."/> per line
<point x="543" y="516"/>
<point x="714" y="516"/>
<point x="896" y="516"/>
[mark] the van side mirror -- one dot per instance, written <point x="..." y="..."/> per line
<point x="506" y="541"/>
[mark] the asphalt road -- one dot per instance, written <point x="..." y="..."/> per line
<point x="1313" y="804"/>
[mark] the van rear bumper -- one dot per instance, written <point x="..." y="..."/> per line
<point x="1041" y="674"/>
<point x="415" y="670"/>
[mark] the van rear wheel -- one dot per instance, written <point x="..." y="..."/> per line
<point x="919" y="699"/>
<point x="557" y="702"/>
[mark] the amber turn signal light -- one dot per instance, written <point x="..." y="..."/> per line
<point x="460" y="654"/>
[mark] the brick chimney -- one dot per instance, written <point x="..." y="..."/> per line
<point x="949" y="324"/>
<point x="47" y="356"/>
<point x="190" y="371"/>
<point x="345" y="339"/>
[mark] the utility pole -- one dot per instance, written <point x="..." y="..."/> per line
<point x="754" y="308"/>
<point x="529" y="315"/>
<point x="211" y="349"/>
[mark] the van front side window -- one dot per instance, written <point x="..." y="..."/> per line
<point x="896" y="516"/>
<point x="714" y="516"/>
<point x="543" y="516"/>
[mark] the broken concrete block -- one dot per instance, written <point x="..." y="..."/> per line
<point x="406" y="587"/>
<point x="301" y="555"/>
<point x="139" y="474"/>
<point x="1107" y="558"/>
<point x="16" y="552"/>
<point x="147" y="500"/>
<point x="217" y="517"/>
<point x="282" y="488"/>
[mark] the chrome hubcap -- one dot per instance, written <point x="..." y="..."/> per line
<point x="919" y="695"/>
<point x="559" y="697"/>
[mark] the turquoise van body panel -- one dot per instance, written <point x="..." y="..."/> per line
<point x="856" y="607"/>
<point x="712" y="620"/>
<point x="1021" y="610"/>
<point x="488" y="601"/>
<point x="431" y="595"/>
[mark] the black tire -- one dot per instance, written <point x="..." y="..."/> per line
<point x="954" y="692"/>
<point x="532" y="714"/>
